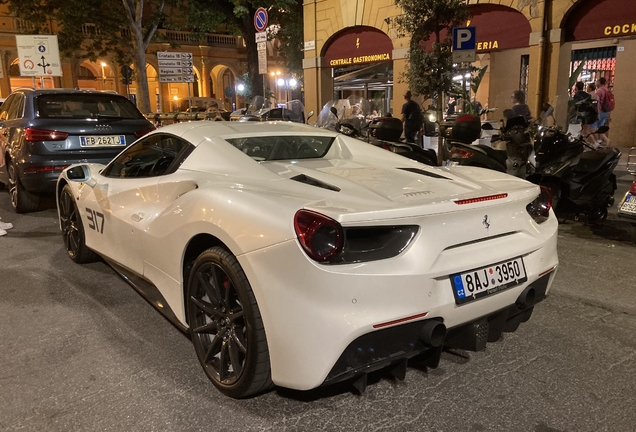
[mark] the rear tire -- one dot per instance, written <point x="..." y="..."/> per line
<point x="22" y="200"/>
<point x="226" y="326"/>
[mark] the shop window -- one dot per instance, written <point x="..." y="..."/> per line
<point x="599" y="62"/>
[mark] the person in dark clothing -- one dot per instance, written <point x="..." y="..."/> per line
<point x="520" y="109"/>
<point x="412" y="118"/>
<point x="584" y="108"/>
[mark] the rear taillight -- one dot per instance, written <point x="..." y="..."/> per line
<point x="141" y="133"/>
<point x="539" y="209"/>
<point x="632" y="190"/>
<point x="43" y="169"/>
<point x="460" y="153"/>
<point x="320" y="236"/>
<point x="33" y="134"/>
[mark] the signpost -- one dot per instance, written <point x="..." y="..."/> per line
<point x="39" y="56"/>
<point x="176" y="67"/>
<point x="464" y="43"/>
<point x="260" y="24"/>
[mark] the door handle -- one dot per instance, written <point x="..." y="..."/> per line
<point x="137" y="217"/>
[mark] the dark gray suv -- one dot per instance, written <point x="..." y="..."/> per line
<point x="44" y="131"/>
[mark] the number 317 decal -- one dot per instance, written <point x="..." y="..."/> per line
<point x="95" y="220"/>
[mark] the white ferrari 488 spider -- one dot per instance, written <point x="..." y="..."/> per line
<point x="297" y="257"/>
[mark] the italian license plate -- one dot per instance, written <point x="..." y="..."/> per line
<point x="629" y="205"/>
<point x="103" y="140"/>
<point x="477" y="283"/>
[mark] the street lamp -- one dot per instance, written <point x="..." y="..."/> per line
<point x="103" y="76"/>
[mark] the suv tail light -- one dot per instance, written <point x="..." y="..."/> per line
<point x="33" y="134"/>
<point x="141" y="133"/>
<point x="632" y="190"/>
<point x="320" y="236"/>
<point x="539" y="209"/>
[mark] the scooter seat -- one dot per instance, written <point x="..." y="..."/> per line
<point x="499" y="155"/>
<point x="591" y="161"/>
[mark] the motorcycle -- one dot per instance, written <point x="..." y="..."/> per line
<point x="627" y="206"/>
<point x="581" y="182"/>
<point x="352" y="117"/>
<point x="462" y="130"/>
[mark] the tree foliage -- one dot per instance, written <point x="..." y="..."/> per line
<point x="141" y="18"/>
<point x="92" y="29"/>
<point x="430" y="72"/>
<point x="239" y="18"/>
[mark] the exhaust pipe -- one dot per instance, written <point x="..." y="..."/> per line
<point x="526" y="298"/>
<point x="433" y="333"/>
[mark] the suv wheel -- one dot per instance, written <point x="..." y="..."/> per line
<point x="21" y="200"/>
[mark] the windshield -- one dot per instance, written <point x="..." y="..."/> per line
<point x="268" y="148"/>
<point x="86" y="105"/>
<point x="257" y="104"/>
<point x="353" y="110"/>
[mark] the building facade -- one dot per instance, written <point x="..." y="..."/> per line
<point x="219" y="61"/>
<point x="529" y="45"/>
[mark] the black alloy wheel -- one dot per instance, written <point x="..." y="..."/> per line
<point x="226" y="325"/>
<point x="21" y="200"/>
<point x="73" y="230"/>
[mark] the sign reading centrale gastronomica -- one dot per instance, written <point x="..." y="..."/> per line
<point x="358" y="45"/>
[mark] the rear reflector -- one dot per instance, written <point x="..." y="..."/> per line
<point x="32" y="170"/>
<point x="401" y="320"/>
<point x="461" y="153"/>
<point x="632" y="190"/>
<point x="481" y="199"/>
<point x="548" y="271"/>
<point x="33" y="134"/>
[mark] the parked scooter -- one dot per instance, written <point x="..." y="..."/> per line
<point x="515" y="134"/>
<point x="581" y="182"/>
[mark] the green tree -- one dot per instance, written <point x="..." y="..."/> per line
<point x="430" y="73"/>
<point x="92" y="29"/>
<point x="239" y="19"/>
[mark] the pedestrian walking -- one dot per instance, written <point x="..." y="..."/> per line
<point x="412" y="118"/>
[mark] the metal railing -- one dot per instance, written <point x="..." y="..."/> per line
<point x="631" y="161"/>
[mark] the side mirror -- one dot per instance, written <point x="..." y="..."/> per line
<point x="487" y="126"/>
<point x="334" y="111"/>
<point x="601" y="130"/>
<point x="78" y="173"/>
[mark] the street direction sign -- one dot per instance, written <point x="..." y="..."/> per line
<point x="176" y="79"/>
<point x="175" y="66"/>
<point x="39" y="55"/>
<point x="166" y="55"/>
<point x="260" y="19"/>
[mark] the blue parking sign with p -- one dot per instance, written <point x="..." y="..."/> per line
<point x="464" y="38"/>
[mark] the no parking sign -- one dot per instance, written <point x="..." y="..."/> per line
<point x="260" y="19"/>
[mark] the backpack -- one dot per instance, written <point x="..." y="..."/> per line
<point x="608" y="104"/>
